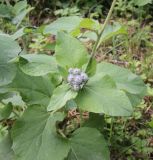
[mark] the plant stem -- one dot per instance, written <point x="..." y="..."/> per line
<point x="61" y="133"/>
<point x="96" y="45"/>
<point x="111" y="130"/>
<point x="15" y="113"/>
<point x="105" y="24"/>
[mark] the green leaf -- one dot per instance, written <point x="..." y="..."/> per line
<point x="37" y="64"/>
<point x="151" y="123"/>
<point x="123" y="78"/>
<point x="149" y="91"/>
<point x="69" y="51"/>
<point x="5" y="111"/>
<point x="34" y="90"/>
<point x="76" y="32"/>
<point x="63" y="72"/>
<point x="91" y="69"/>
<point x="134" y="99"/>
<point x="70" y="105"/>
<point x="5" y="11"/>
<point x="89" y="24"/>
<point x="20" y="6"/>
<point x="3" y="132"/>
<point x="8" y="72"/>
<point x="60" y="96"/>
<point x="38" y="140"/>
<point x="111" y="31"/>
<point x="3" y="95"/>
<point x="19" y="33"/>
<point x="20" y="16"/>
<point x="63" y="24"/>
<point x="88" y="144"/>
<point x="52" y="142"/>
<point x="14" y="98"/>
<point x="95" y="121"/>
<point x="56" y="79"/>
<point x="142" y="2"/>
<point x="6" y="153"/>
<point x="91" y="35"/>
<point x="20" y="10"/>
<point x="9" y="50"/>
<point x="100" y="95"/>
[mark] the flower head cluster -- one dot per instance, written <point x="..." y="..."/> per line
<point x="77" y="78"/>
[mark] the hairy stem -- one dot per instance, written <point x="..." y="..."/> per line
<point x="96" y="45"/>
<point x="103" y="28"/>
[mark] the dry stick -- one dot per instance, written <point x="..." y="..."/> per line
<point x="96" y="45"/>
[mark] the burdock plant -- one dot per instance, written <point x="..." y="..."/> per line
<point x="51" y="85"/>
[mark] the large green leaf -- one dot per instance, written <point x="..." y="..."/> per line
<point x="38" y="64"/>
<point x="88" y="144"/>
<point x="123" y="78"/>
<point x="6" y="153"/>
<point x="39" y="140"/>
<point x="100" y="95"/>
<point x="69" y="51"/>
<point x="63" y="24"/>
<point x="34" y="90"/>
<point x="60" y="96"/>
<point x="9" y="49"/>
